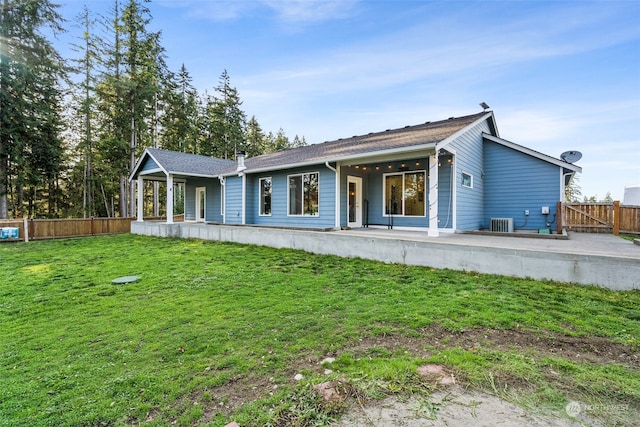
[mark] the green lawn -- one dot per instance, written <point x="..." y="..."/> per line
<point x="215" y="332"/>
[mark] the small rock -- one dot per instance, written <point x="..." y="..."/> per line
<point x="328" y="360"/>
<point x="298" y="377"/>
<point x="436" y="373"/>
<point x="328" y="372"/>
<point x="328" y="392"/>
<point x="232" y="424"/>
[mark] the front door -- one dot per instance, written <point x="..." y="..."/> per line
<point x="354" y="191"/>
<point x="201" y="198"/>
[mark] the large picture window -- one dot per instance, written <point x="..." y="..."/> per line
<point x="265" y="196"/>
<point x="404" y="194"/>
<point x="303" y="194"/>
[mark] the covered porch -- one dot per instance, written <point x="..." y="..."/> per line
<point x="412" y="191"/>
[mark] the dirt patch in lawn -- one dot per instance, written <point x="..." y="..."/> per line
<point x="591" y="349"/>
<point x="449" y="404"/>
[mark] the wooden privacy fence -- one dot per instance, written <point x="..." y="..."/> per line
<point x="599" y="218"/>
<point x="39" y="229"/>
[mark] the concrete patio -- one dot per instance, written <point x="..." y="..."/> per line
<point x="589" y="259"/>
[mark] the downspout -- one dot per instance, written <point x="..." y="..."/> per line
<point x="244" y="197"/>
<point x="337" y="208"/>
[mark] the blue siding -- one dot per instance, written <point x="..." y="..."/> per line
<point x="148" y="165"/>
<point x="516" y="182"/>
<point x="469" y="159"/>
<point x="279" y="193"/>
<point x="212" y="210"/>
<point x="445" y="195"/>
<point x="233" y="191"/>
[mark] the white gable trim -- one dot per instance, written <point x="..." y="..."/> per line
<point x="454" y="136"/>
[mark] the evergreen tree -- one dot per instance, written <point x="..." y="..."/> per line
<point x="572" y="191"/>
<point x="225" y="121"/>
<point x="179" y="121"/>
<point x="281" y="141"/>
<point x="82" y="121"/>
<point x="128" y="96"/>
<point x="255" y="138"/>
<point x="30" y="98"/>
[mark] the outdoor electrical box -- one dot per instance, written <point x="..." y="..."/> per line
<point x="545" y="210"/>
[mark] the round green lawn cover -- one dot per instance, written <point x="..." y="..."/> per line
<point x="125" y="279"/>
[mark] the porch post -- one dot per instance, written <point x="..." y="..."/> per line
<point x="140" y="216"/>
<point x="338" y="205"/>
<point x="433" y="195"/>
<point x="169" y="199"/>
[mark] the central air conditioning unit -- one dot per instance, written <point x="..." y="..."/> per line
<point x="502" y="225"/>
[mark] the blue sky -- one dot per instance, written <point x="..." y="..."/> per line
<point x="559" y="75"/>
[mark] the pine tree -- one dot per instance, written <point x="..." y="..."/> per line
<point x="226" y="119"/>
<point x="255" y="138"/>
<point x="179" y="121"/>
<point x="135" y="71"/>
<point x="83" y="121"/>
<point x="30" y="98"/>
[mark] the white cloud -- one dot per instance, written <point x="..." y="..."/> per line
<point x="307" y="11"/>
<point x="288" y="11"/>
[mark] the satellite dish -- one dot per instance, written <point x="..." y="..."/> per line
<point x="571" y="156"/>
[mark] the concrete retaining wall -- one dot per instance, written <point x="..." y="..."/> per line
<point x="611" y="272"/>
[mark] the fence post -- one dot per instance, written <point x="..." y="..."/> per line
<point x="26" y="229"/>
<point x="616" y="217"/>
<point x="559" y="216"/>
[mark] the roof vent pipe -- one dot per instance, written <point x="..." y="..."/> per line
<point x="240" y="159"/>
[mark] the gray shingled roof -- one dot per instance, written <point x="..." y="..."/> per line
<point x="190" y="164"/>
<point x="427" y="133"/>
<point x="364" y="145"/>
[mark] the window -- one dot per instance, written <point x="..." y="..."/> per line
<point x="467" y="180"/>
<point x="303" y="194"/>
<point x="265" y="196"/>
<point x="404" y="194"/>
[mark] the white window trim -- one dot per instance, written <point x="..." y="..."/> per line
<point x="260" y="196"/>
<point x="289" y="214"/>
<point x="462" y="174"/>
<point x="384" y="195"/>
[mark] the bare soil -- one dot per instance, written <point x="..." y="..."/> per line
<point x="454" y="405"/>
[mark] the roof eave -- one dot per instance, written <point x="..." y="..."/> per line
<point x="360" y="157"/>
